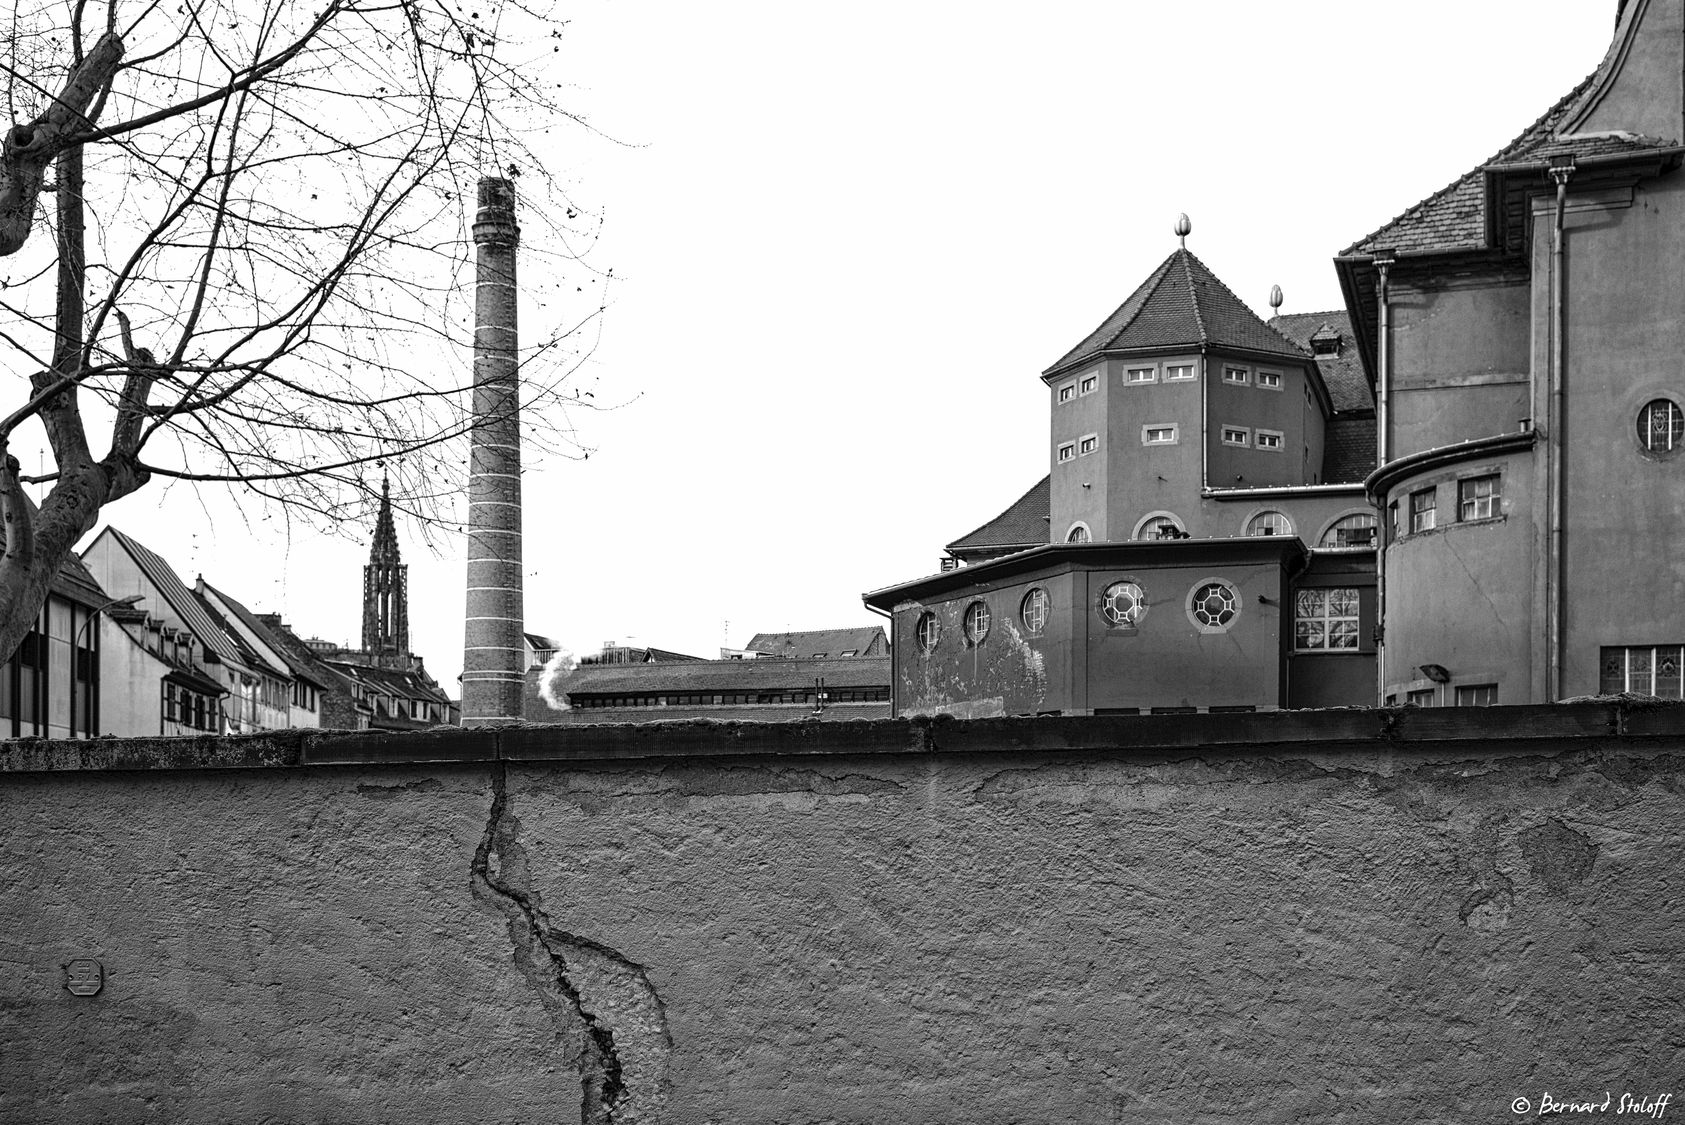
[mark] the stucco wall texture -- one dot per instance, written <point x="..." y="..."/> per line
<point x="1343" y="916"/>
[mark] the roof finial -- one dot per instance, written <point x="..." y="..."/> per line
<point x="1275" y="300"/>
<point x="1184" y="227"/>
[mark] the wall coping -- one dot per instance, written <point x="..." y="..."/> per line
<point x="1357" y="730"/>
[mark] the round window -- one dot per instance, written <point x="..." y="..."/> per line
<point x="927" y="632"/>
<point x="976" y="623"/>
<point x="1661" y="426"/>
<point x="1214" y="605"/>
<point x="1034" y="611"/>
<point x="1122" y="604"/>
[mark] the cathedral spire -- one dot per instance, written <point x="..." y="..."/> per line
<point x="386" y="614"/>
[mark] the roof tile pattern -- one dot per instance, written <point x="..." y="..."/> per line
<point x="1454" y="218"/>
<point x="724" y="676"/>
<point x="1182" y="304"/>
<point x="1348" y="453"/>
<point x="182" y="600"/>
<point x="1023" y="524"/>
<point x="1342" y="373"/>
<point x="818" y="642"/>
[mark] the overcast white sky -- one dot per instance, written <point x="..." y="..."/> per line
<point x="848" y="239"/>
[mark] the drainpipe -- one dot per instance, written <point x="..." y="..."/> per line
<point x="1204" y="419"/>
<point x="1383" y="525"/>
<point x="1561" y="167"/>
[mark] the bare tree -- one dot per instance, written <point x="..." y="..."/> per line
<point x="234" y="234"/>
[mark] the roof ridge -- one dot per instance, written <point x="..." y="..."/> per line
<point x="1560" y="106"/>
<point x="1321" y="312"/>
<point x="1193" y="293"/>
<point x="1223" y="285"/>
<point x="1147" y="288"/>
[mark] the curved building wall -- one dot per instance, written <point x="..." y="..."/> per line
<point x="1461" y="594"/>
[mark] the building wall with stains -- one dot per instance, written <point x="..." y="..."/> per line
<point x="1341" y="916"/>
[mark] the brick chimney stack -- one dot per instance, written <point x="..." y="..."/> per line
<point x="493" y="647"/>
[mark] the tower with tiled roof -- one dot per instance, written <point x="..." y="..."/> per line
<point x="386" y="614"/>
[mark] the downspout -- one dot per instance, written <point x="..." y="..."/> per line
<point x="1204" y="423"/>
<point x="894" y="680"/>
<point x="1561" y="167"/>
<point x="1383" y="524"/>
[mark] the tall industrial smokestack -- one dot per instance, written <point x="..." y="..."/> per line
<point x="493" y="648"/>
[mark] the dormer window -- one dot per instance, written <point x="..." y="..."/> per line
<point x="1326" y="342"/>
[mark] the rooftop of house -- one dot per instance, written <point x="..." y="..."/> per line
<point x="815" y="643"/>
<point x="296" y="663"/>
<point x="1182" y="304"/>
<point x="194" y="613"/>
<point x="1328" y="337"/>
<point x="1023" y="524"/>
<point x="722" y="676"/>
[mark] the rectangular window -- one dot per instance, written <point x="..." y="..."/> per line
<point x="1643" y="669"/>
<point x="1423" y="698"/>
<point x="1236" y="375"/>
<point x="1325" y="619"/>
<point x="1392" y="518"/>
<point x="1421" y="510"/>
<point x="1067" y="392"/>
<point x="1174" y="372"/>
<point x="1140" y="375"/>
<point x="1269" y="380"/>
<point x="1477" y="498"/>
<point x="1158" y="434"/>
<point x="1088" y="444"/>
<point x="1477" y="695"/>
<point x="1267" y="439"/>
<point x="1067" y="451"/>
<point x="1089" y="383"/>
<point x="1236" y="435"/>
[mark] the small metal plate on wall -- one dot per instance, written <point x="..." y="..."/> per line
<point x="84" y="977"/>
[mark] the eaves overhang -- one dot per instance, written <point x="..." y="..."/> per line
<point x="1064" y="557"/>
<point x="1379" y="482"/>
<point x="1193" y="347"/>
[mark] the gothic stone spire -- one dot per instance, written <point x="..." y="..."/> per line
<point x="386" y="611"/>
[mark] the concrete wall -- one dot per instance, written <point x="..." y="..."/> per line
<point x="1338" y="916"/>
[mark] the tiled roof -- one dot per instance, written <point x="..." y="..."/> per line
<point x="298" y="655"/>
<point x="256" y="627"/>
<point x="391" y="681"/>
<point x="725" y="675"/>
<point x="1023" y="524"/>
<point x="73" y="581"/>
<point x="1348" y="454"/>
<point x="1454" y="218"/>
<point x="1182" y="304"/>
<point x="187" y="606"/>
<point x="831" y="642"/>
<point x="1342" y="373"/>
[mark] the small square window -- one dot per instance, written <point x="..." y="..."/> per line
<point x="1267" y="439"/>
<point x="1088" y="444"/>
<point x="1089" y="384"/>
<point x="1237" y="375"/>
<point x="1158" y="434"/>
<point x="1237" y="435"/>
<point x="1423" y="698"/>
<point x="1067" y="451"/>
<point x="1422" y="510"/>
<point x="1067" y="392"/>
<point x="1140" y="375"/>
<point x="1174" y="372"/>
<point x="1269" y="380"/>
<point x="1477" y="498"/>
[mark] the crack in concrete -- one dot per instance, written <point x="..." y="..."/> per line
<point x="550" y="960"/>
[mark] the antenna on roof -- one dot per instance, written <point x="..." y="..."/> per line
<point x="1275" y="300"/>
<point x="1184" y="227"/>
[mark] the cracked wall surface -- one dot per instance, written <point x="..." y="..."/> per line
<point x="966" y="929"/>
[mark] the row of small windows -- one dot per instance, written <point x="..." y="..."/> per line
<point x="1244" y="438"/>
<point x="1465" y="695"/>
<point x="727" y="698"/>
<point x="1213" y="605"/>
<point x="1354" y="530"/>
<point x="1235" y="375"/>
<point x="1325" y="619"/>
<point x="1478" y="498"/>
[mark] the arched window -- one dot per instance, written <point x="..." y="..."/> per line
<point x="1078" y="534"/>
<point x="1160" y="525"/>
<point x="1354" y="530"/>
<point x="1269" y="523"/>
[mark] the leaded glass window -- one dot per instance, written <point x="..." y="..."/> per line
<point x="1643" y="670"/>
<point x="1215" y="604"/>
<point x="1122" y="604"/>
